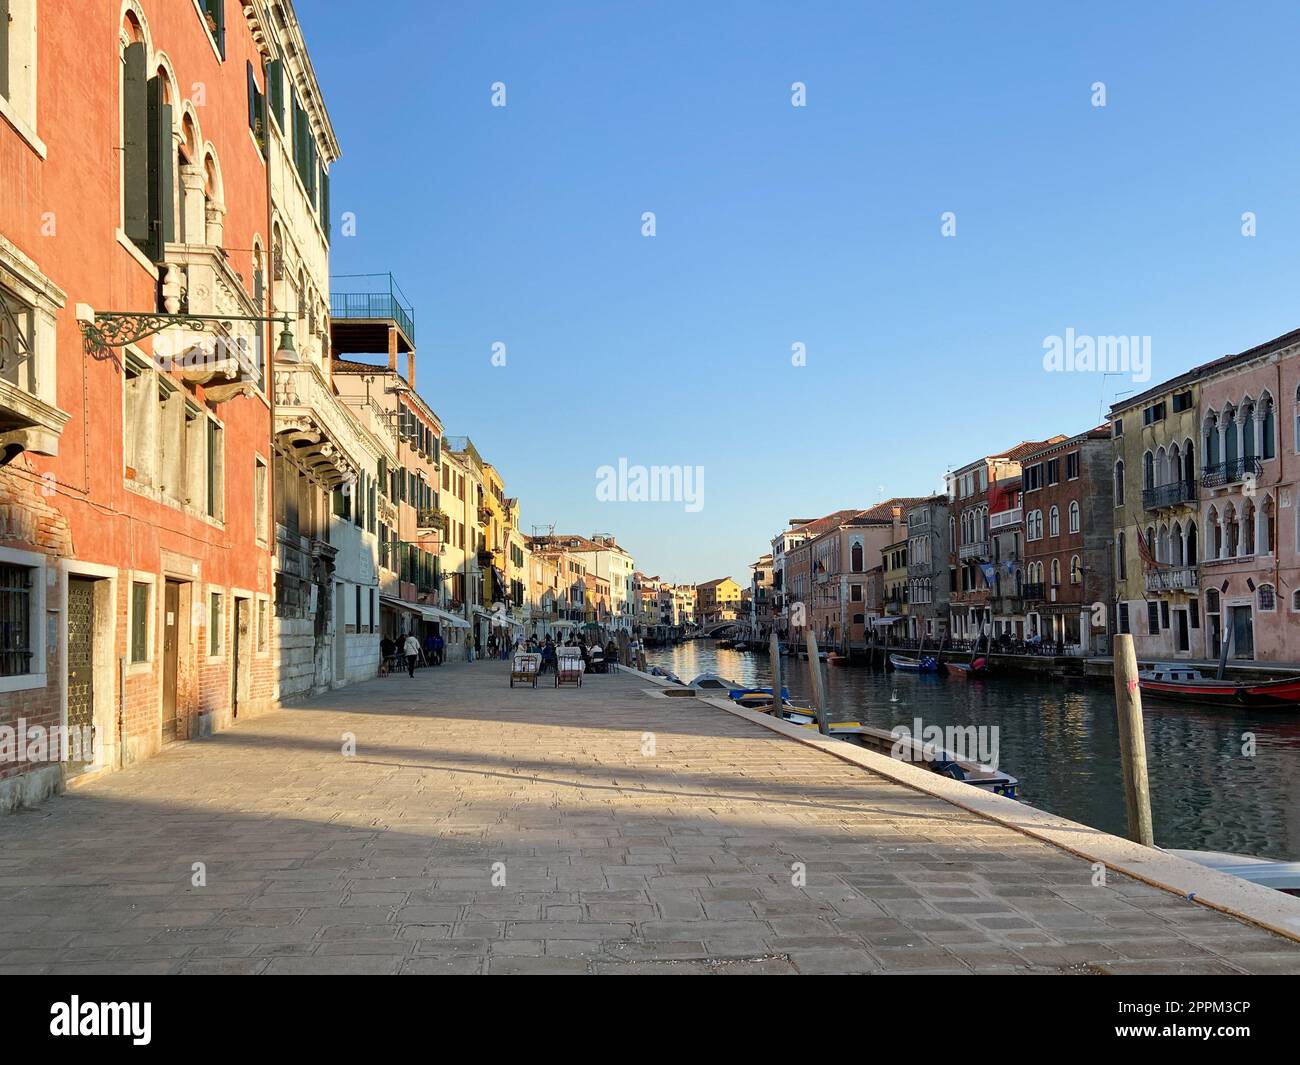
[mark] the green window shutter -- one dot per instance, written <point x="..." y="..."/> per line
<point x="275" y="90"/>
<point x="218" y="9"/>
<point x="252" y="96"/>
<point x="4" y="48"/>
<point x="162" y="221"/>
<point x="325" y="202"/>
<point x="135" y="161"/>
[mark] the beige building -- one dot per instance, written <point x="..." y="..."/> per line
<point x="717" y="600"/>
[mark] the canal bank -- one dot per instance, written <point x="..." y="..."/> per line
<point x="479" y="828"/>
<point x="1220" y="780"/>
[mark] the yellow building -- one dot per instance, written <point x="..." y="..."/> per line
<point x="717" y="600"/>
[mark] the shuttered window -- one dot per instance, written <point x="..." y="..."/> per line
<point x="4" y="48"/>
<point x="256" y="109"/>
<point x="214" y="13"/>
<point x="139" y="622"/>
<point x="275" y="91"/>
<point x="135" y="147"/>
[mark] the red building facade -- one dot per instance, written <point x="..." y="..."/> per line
<point x="135" y="576"/>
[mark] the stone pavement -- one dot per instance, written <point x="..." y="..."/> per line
<point x="634" y="834"/>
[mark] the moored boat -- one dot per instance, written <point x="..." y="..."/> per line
<point x="837" y="659"/>
<point x="1267" y="872"/>
<point x="924" y="664"/>
<point x="1184" y="684"/>
<point x="966" y="669"/>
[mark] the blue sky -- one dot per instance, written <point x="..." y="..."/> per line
<point x="818" y="225"/>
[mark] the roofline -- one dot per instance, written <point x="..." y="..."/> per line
<point x="1209" y="369"/>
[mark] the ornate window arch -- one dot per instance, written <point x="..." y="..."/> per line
<point x="1074" y="516"/>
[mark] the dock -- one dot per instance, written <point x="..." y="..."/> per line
<point x="601" y="829"/>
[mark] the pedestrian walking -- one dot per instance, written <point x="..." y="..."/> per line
<point x="411" y="648"/>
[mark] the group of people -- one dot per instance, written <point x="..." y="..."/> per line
<point x="408" y="649"/>
<point x="547" y="648"/>
<point x="407" y="646"/>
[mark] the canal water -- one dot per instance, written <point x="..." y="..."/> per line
<point x="1060" y="738"/>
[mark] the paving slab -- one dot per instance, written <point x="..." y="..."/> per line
<point x="480" y="829"/>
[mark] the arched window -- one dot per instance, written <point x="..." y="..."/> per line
<point x="1213" y="456"/>
<point x="1190" y="548"/>
<point x="1054" y="522"/>
<point x="1074" y="516"/>
<point x="1119" y="469"/>
<point x="1076" y="570"/>
<point x="1268" y="442"/>
<point x="1056" y="573"/>
<point x="1231" y="450"/>
<point x="1295" y="600"/>
<point x="1121" y="565"/>
<point x="1189" y="462"/>
<point x="1148" y="471"/>
<point x="855" y="553"/>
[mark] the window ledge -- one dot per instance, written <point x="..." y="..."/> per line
<point x="136" y="253"/>
<point x="22" y="128"/>
<point x="22" y="682"/>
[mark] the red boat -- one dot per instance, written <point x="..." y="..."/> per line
<point x="1187" y="685"/>
<point x="965" y="669"/>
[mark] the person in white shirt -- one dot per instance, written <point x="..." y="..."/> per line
<point x="411" y="648"/>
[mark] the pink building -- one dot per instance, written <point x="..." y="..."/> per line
<point x="1250" y="444"/>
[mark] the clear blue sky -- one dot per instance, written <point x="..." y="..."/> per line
<point x="818" y="225"/>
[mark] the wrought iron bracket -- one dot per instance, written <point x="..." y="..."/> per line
<point x="106" y="330"/>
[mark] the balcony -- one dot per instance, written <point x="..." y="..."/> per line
<point x="1169" y="495"/>
<point x="1176" y="579"/>
<point x="431" y="518"/>
<point x="1004" y="519"/>
<point x="313" y="427"/>
<point x="978" y="549"/>
<point x="1230" y="472"/>
<point x="1034" y="593"/>
<point x="363" y="308"/>
<point x="484" y="514"/>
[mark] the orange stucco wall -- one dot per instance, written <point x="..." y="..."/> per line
<point x="63" y="212"/>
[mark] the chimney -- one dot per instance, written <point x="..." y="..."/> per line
<point x="410" y="368"/>
<point x="896" y="513"/>
<point x="392" y="348"/>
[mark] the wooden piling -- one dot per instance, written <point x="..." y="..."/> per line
<point x="1132" y="741"/>
<point x="775" y="645"/>
<point x="819" y="685"/>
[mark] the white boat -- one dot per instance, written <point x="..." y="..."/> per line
<point x="1267" y="872"/>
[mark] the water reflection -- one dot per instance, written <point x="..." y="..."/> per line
<point x="1061" y="739"/>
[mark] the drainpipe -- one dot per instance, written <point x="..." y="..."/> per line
<point x="121" y="711"/>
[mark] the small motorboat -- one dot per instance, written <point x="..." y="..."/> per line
<point x="1184" y="684"/>
<point x="935" y="759"/>
<point x="924" y="664"/>
<point x="966" y="669"/>
<point x="837" y="660"/>
<point x="1268" y="872"/>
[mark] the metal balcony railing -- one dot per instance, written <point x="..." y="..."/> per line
<point x="1230" y="472"/>
<point x="978" y="549"/>
<point x="1169" y="495"/>
<point x="372" y="296"/>
<point x="1034" y="593"/>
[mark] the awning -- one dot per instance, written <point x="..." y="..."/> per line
<point x="432" y="613"/>
<point x="881" y="622"/>
<point x="399" y="604"/>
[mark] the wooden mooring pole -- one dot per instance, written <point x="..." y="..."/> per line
<point x="819" y="685"/>
<point x="776" y="677"/>
<point x="1132" y="741"/>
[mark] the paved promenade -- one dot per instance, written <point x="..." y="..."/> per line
<point x="482" y="829"/>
